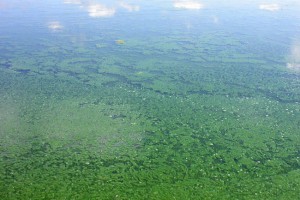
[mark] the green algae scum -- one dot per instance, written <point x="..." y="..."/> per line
<point x="163" y="99"/>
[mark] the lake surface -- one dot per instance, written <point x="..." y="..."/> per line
<point x="149" y="99"/>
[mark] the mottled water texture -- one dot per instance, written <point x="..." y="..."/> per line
<point x="149" y="100"/>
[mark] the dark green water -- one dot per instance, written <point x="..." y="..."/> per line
<point x="149" y="100"/>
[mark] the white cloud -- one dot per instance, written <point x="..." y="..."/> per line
<point x="188" y="4"/>
<point x="294" y="58"/>
<point x="72" y="1"/>
<point x="99" y="10"/>
<point x="293" y="66"/>
<point x="129" y="7"/>
<point x="55" y="26"/>
<point x="215" y="19"/>
<point x="269" y="7"/>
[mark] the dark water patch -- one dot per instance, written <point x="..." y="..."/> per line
<point x="52" y="71"/>
<point x="120" y="79"/>
<point x="161" y="92"/>
<point x="280" y="98"/>
<point x="71" y="73"/>
<point x="6" y="65"/>
<point x="97" y="101"/>
<point x="291" y="76"/>
<point x="110" y="83"/>
<point x="23" y="71"/>
<point x="37" y="148"/>
<point x="139" y="84"/>
<point x="201" y="92"/>
<point x="91" y="70"/>
<point x="125" y="67"/>
<point x="130" y="69"/>
<point x="185" y="42"/>
<point x="117" y="116"/>
<point x="266" y="93"/>
<point x="116" y="76"/>
<point x="157" y="72"/>
<point x="86" y="81"/>
<point x="279" y="74"/>
<point x="182" y="80"/>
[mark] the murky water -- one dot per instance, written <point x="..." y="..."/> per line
<point x="149" y="99"/>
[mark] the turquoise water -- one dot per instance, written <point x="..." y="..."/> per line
<point x="149" y="99"/>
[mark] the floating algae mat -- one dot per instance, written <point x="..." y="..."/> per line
<point x="149" y="100"/>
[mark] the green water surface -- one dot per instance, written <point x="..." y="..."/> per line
<point x="149" y="100"/>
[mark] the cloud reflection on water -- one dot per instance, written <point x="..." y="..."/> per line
<point x="215" y="19"/>
<point x="129" y="7"/>
<point x="294" y="57"/>
<point x="99" y="10"/>
<point x="188" y="4"/>
<point x="72" y="2"/>
<point x="55" y="26"/>
<point x="269" y="7"/>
